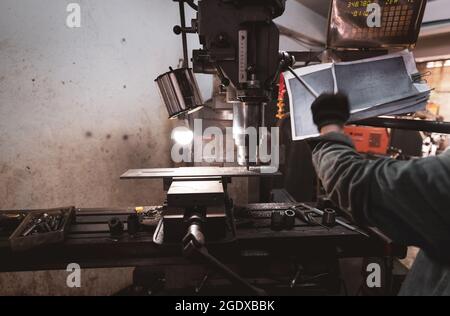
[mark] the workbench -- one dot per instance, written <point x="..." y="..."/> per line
<point x="89" y="244"/>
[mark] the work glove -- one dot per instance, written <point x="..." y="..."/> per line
<point x="330" y="109"/>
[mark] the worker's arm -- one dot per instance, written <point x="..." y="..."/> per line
<point x="408" y="201"/>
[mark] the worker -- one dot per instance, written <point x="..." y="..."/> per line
<point x="409" y="201"/>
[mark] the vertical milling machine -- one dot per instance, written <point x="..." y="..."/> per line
<point x="241" y="46"/>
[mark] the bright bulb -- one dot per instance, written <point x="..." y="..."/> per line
<point x="182" y="136"/>
<point x="438" y="64"/>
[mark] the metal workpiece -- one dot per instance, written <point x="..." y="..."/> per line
<point x="329" y="217"/>
<point x="289" y="219"/>
<point x="199" y="172"/>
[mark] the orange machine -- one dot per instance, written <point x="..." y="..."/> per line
<point x="372" y="140"/>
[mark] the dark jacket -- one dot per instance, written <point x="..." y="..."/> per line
<point x="408" y="200"/>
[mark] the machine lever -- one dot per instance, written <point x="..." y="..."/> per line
<point x="193" y="246"/>
<point x="203" y="253"/>
<point x="304" y="83"/>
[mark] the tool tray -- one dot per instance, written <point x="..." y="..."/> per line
<point x="19" y="242"/>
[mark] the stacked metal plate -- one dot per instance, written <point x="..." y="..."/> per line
<point x="387" y="85"/>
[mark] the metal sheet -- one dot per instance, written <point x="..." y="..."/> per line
<point x="198" y="172"/>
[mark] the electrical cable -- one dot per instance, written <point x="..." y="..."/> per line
<point x="192" y="4"/>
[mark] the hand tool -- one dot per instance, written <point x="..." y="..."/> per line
<point x="338" y="221"/>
